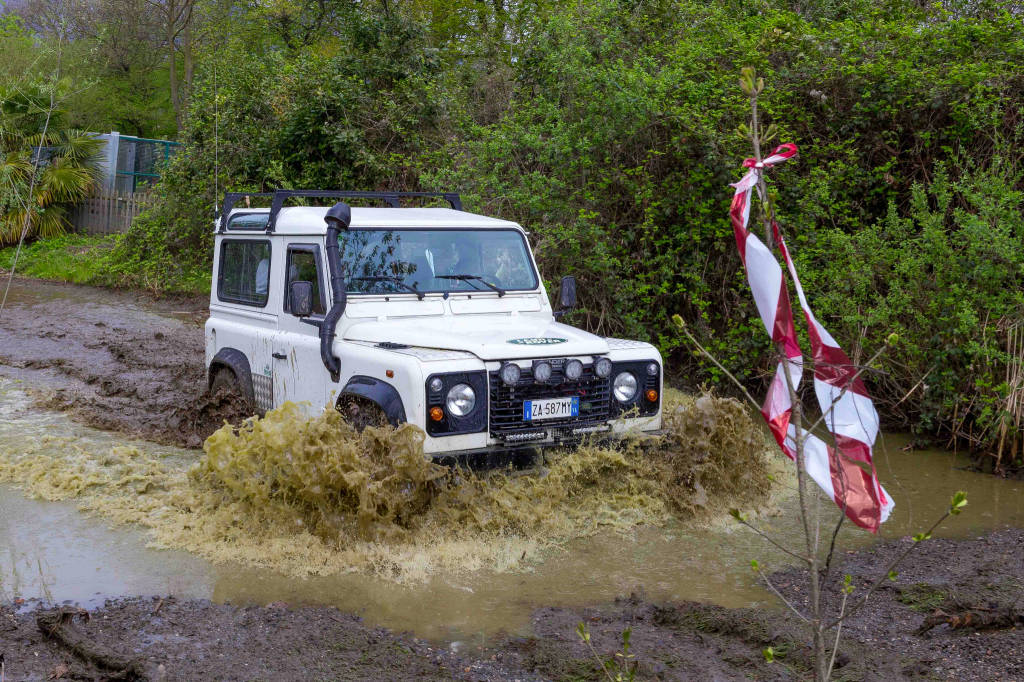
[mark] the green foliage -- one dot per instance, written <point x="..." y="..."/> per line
<point x="958" y="502"/>
<point x="44" y="166"/>
<point x="69" y="258"/>
<point x="606" y="129"/>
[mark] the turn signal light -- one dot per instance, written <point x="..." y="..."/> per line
<point x="436" y="413"/>
<point x="652" y="396"/>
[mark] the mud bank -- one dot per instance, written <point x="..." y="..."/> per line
<point x="114" y="360"/>
<point x="192" y="640"/>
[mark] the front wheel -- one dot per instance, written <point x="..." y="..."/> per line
<point x="360" y="412"/>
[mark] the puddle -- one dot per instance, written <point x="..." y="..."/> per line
<point x="51" y="550"/>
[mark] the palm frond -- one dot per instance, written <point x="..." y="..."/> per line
<point x="80" y="147"/>
<point x="52" y="222"/>
<point x="61" y="180"/>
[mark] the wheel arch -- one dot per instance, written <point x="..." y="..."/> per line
<point x="235" y="360"/>
<point x="381" y="393"/>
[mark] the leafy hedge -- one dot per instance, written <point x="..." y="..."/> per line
<point x="607" y="129"/>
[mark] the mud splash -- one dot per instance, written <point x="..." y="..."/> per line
<point x="314" y="497"/>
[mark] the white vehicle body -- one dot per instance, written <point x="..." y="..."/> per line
<point x="391" y="345"/>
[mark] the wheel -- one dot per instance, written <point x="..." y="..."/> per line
<point x="224" y="380"/>
<point x="360" y="412"/>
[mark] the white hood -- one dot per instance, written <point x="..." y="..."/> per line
<point x="497" y="337"/>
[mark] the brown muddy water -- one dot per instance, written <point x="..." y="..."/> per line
<point x="53" y="551"/>
<point x="57" y="541"/>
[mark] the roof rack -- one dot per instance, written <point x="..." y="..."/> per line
<point x="393" y="199"/>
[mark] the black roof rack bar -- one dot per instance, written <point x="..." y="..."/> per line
<point x="231" y="198"/>
<point x="391" y="198"/>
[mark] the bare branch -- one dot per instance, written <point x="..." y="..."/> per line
<point x="773" y="542"/>
<point x="783" y="599"/>
<point x="719" y="365"/>
<point x="839" y="630"/>
<point x="888" y="569"/>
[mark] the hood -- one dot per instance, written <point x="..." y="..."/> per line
<point x="488" y="337"/>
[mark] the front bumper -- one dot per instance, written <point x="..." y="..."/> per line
<point x="500" y="455"/>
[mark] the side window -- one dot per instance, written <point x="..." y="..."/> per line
<point x="304" y="266"/>
<point x="244" y="272"/>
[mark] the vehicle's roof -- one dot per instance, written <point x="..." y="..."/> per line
<point x="310" y="219"/>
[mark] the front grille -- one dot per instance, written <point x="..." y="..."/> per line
<point x="507" y="401"/>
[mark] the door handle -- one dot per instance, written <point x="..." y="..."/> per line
<point x="279" y="356"/>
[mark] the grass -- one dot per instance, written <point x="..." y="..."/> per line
<point x="83" y="259"/>
<point x="69" y="258"/>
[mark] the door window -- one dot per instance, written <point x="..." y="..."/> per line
<point x="304" y="266"/>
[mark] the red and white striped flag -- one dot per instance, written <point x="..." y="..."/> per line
<point x="849" y="412"/>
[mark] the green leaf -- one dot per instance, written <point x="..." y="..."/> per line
<point x="893" y="575"/>
<point x="769" y="654"/>
<point x="958" y="502"/>
<point x="738" y="515"/>
<point x="754" y="565"/>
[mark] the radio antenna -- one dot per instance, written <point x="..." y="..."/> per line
<point x="216" y="143"/>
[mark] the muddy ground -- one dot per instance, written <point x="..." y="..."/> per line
<point x="197" y="640"/>
<point x="137" y="367"/>
<point x="115" y="360"/>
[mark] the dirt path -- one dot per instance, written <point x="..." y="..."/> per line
<point x="197" y="640"/>
<point x="114" y="360"/>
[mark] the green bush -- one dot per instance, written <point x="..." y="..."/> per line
<point x="606" y="129"/>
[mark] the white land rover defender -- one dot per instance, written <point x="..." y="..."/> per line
<point x="432" y="316"/>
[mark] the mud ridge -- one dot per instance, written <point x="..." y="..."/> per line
<point x="115" y="364"/>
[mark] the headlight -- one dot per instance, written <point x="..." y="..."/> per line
<point x="541" y="371"/>
<point x="462" y="399"/>
<point x="624" y="387"/>
<point x="652" y="369"/>
<point x="603" y="368"/>
<point x="510" y="373"/>
<point x="573" y="370"/>
<point x="436" y="385"/>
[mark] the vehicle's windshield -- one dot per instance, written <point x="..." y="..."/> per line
<point x="391" y="261"/>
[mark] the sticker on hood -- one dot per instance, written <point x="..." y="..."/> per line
<point x="537" y="341"/>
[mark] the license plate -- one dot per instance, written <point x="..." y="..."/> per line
<point x="552" y="408"/>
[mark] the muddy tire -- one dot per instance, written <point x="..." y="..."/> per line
<point x="360" y="412"/>
<point x="224" y="380"/>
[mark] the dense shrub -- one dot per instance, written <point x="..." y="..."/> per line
<point x="607" y="129"/>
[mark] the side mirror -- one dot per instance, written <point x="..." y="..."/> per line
<point x="300" y="298"/>
<point x="566" y="295"/>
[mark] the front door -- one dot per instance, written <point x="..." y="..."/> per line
<point x="299" y="373"/>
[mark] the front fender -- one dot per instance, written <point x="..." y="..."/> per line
<point x="380" y="392"/>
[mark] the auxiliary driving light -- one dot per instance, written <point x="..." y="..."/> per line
<point x="542" y="371"/>
<point x="652" y="369"/>
<point x="603" y="368"/>
<point x="510" y="373"/>
<point x="624" y="387"/>
<point x="461" y="400"/>
<point x="436" y="413"/>
<point x="436" y="385"/>
<point x="573" y="370"/>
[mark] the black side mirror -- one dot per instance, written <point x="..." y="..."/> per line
<point x="300" y="298"/>
<point x="566" y="295"/>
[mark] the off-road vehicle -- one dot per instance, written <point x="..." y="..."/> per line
<point x="433" y="316"/>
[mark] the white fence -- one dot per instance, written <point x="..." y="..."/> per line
<point x="108" y="213"/>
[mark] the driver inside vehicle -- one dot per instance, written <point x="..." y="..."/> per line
<point x="415" y="265"/>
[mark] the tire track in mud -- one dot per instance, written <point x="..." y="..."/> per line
<point x="114" y="362"/>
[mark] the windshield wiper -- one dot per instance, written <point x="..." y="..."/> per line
<point x="474" y="278"/>
<point x="389" y="278"/>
